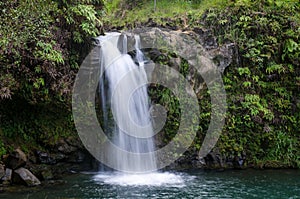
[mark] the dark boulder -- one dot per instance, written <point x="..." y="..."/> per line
<point x="76" y="157"/>
<point x="44" y="158"/>
<point x="15" y="159"/>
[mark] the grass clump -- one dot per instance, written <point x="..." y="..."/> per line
<point x="126" y="14"/>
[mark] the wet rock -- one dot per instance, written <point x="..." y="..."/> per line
<point x="6" y="179"/>
<point x="15" y="160"/>
<point x="59" y="157"/>
<point x="45" y="158"/>
<point x="24" y="176"/>
<point x="42" y="171"/>
<point x="239" y="161"/>
<point x="76" y="157"/>
<point x="2" y="171"/>
<point x="214" y="160"/>
<point x="65" y="148"/>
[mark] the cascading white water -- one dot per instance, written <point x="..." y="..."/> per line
<point x="139" y="54"/>
<point x="126" y="93"/>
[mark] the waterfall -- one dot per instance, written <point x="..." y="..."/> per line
<point x="139" y="54"/>
<point x="123" y="92"/>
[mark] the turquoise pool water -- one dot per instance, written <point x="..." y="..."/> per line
<point x="249" y="183"/>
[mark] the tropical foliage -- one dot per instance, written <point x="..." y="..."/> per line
<point x="42" y="43"/>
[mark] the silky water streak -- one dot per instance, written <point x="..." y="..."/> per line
<point x="123" y="92"/>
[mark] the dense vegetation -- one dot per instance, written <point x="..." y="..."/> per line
<point x="43" y="42"/>
<point x="41" y="46"/>
<point x="262" y="86"/>
<point x="263" y="89"/>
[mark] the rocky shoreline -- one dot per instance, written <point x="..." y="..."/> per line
<point x="40" y="167"/>
<point x="20" y="171"/>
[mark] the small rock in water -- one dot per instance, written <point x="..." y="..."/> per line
<point x="7" y="177"/>
<point x="23" y="175"/>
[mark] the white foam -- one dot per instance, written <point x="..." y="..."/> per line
<point x="148" y="179"/>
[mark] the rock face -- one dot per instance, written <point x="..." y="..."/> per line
<point x="198" y="47"/>
<point x="187" y="43"/>
<point x="65" y="148"/>
<point x="213" y="160"/>
<point x="206" y="60"/>
<point x="65" y="151"/>
<point x="23" y="175"/>
<point x="44" y="158"/>
<point x="67" y="155"/>
<point x="223" y="55"/>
